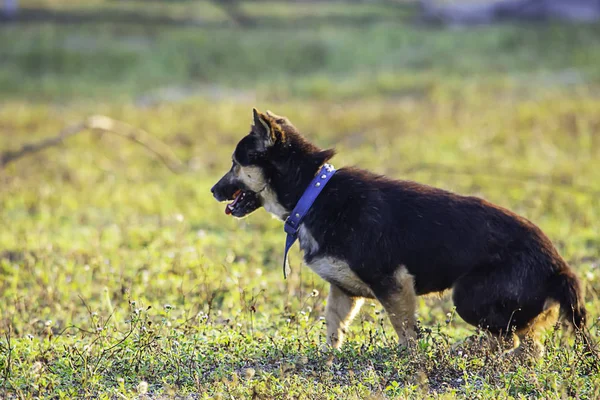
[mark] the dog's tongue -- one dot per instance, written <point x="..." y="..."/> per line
<point x="236" y="197"/>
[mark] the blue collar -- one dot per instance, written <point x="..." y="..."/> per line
<point x="292" y="223"/>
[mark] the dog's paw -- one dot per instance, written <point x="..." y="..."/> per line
<point x="325" y="348"/>
<point x="328" y="353"/>
<point x="407" y="339"/>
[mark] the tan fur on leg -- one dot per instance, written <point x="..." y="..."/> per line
<point x="530" y="337"/>
<point x="502" y="342"/>
<point x="401" y="305"/>
<point x="340" y="311"/>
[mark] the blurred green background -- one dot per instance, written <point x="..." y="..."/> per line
<point x="97" y="230"/>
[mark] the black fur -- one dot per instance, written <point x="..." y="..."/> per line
<point x="503" y="270"/>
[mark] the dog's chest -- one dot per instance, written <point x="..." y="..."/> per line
<point x="332" y="269"/>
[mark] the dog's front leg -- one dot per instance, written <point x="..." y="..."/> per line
<point x="339" y="312"/>
<point x="400" y="302"/>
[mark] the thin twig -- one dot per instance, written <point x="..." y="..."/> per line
<point x="234" y="11"/>
<point x="103" y="124"/>
<point x="100" y="124"/>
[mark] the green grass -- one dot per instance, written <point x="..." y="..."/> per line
<point x="330" y="51"/>
<point x="118" y="277"/>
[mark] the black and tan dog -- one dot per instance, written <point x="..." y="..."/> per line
<point x="374" y="237"/>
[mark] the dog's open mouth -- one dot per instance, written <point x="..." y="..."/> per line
<point x="244" y="202"/>
<point x="237" y="197"/>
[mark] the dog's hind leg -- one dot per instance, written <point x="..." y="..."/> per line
<point x="339" y="313"/>
<point x="530" y="337"/>
<point x="505" y="342"/>
<point x="505" y="300"/>
<point x="400" y="301"/>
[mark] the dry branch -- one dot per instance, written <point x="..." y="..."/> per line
<point x="235" y="12"/>
<point x="100" y="124"/>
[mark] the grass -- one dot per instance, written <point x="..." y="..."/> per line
<point x="327" y="54"/>
<point x="121" y="279"/>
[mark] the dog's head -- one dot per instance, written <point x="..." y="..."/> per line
<point x="271" y="167"/>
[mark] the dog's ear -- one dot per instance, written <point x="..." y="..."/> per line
<point x="280" y="119"/>
<point x="261" y="124"/>
<point x="266" y="129"/>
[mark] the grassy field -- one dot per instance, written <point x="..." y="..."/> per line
<point x="121" y="279"/>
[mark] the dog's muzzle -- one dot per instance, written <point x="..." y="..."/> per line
<point x="244" y="201"/>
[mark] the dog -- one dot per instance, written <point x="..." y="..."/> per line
<point x="393" y="240"/>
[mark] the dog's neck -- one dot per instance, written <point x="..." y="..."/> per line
<point x="293" y="173"/>
<point x="288" y="193"/>
<point x="303" y="183"/>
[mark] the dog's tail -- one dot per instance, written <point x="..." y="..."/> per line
<point x="567" y="291"/>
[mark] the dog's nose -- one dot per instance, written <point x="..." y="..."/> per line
<point x="212" y="190"/>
